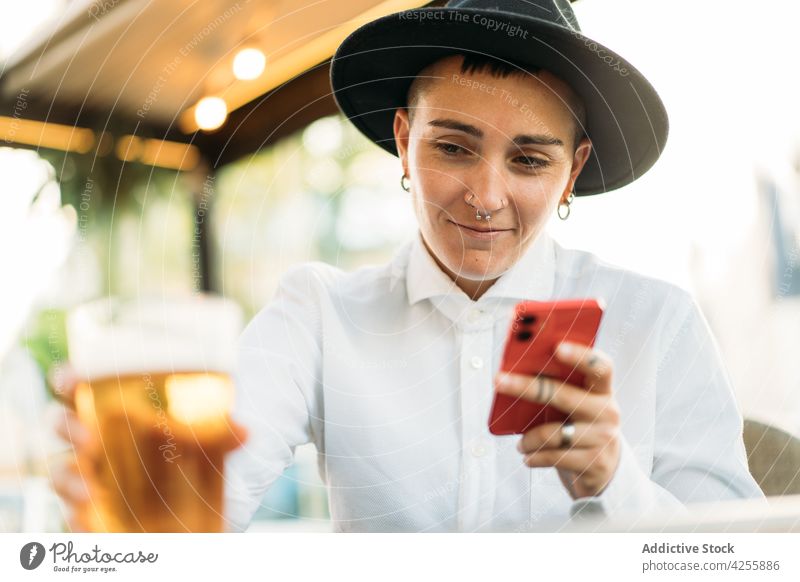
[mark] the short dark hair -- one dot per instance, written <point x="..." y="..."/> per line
<point x="478" y="63"/>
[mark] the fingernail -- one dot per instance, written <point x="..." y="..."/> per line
<point x="566" y="349"/>
<point x="519" y="445"/>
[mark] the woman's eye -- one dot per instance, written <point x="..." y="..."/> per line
<point x="533" y="163"/>
<point x="450" y="149"/>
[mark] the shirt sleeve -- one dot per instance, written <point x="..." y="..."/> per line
<point x="699" y="453"/>
<point x="276" y="383"/>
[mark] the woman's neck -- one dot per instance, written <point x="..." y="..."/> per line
<point x="473" y="289"/>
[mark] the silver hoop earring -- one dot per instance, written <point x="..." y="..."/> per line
<point x="566" y="205"/>
<point x="404" y="184"/>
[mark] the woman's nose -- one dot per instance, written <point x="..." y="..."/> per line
<point x="490" y="187"/>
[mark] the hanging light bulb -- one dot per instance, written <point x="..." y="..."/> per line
<point x="248" y="64"/>
<point x="210" y="113"/>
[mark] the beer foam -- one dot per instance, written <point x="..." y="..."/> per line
<point x="111" y="337"/>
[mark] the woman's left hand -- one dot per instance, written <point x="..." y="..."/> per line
<point x="588" y="464"/>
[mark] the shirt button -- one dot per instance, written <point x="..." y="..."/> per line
<point x="474" y="315"/>
<point x="476" y="362"/>
<point x="478" y="450"/>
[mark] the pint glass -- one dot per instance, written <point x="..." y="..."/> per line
<point x="156" y="390"/>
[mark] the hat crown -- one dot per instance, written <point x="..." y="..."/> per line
<point x="556" y="11"/>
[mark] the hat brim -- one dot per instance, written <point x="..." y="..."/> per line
<point x="625" y="118"/>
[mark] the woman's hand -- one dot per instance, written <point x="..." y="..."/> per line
<point x="587" y="466"/>
<point x="71" y="474"/>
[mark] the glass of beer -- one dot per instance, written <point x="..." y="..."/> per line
<point x="155" y="388"/>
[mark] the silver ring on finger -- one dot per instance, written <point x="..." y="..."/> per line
<point x="567" y="435"/>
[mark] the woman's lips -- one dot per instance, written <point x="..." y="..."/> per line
<point x="482" y="233"/>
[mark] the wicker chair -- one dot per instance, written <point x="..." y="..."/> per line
<point x="774" y="458"/>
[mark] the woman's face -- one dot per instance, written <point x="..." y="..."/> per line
<point x="504" y="145"/>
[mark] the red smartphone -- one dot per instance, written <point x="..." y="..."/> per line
<point x="536" y="329"/>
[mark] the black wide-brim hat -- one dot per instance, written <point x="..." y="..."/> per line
<point x="625" y="119"/>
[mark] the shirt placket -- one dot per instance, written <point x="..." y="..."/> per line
<point x="476" y="497"/>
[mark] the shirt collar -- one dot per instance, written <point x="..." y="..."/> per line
<point x="532" y="277"/>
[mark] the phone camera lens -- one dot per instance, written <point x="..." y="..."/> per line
<point x="524" y="336"/>
<point x="528" y="319"/>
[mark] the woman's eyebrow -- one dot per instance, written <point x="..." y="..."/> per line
<point x="457" y="125"/>
<point x="519" y="140"/>
<point x="539" y="139"/>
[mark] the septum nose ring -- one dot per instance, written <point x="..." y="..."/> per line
<point x="488" y="215"/>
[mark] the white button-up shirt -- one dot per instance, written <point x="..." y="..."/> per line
<point x="389" y="371"/>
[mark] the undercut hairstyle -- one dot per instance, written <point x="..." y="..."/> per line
<point x="477" y="63"/>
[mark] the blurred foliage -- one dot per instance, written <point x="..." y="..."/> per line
<point x="116" y="202"/>
<point x="320" y="194"/>
<point x="46" y="341"/>
<point x="326" y="193"/>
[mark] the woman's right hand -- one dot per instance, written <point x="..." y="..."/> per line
<point x="71" y="474"/>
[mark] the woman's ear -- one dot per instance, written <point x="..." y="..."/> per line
<point x="579" y="159"/>
<point x="402" y="128"/>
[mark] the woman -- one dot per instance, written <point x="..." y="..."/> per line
<point x="390" y="370"/>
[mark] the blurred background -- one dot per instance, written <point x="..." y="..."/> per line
<point x="173" y="147"/>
